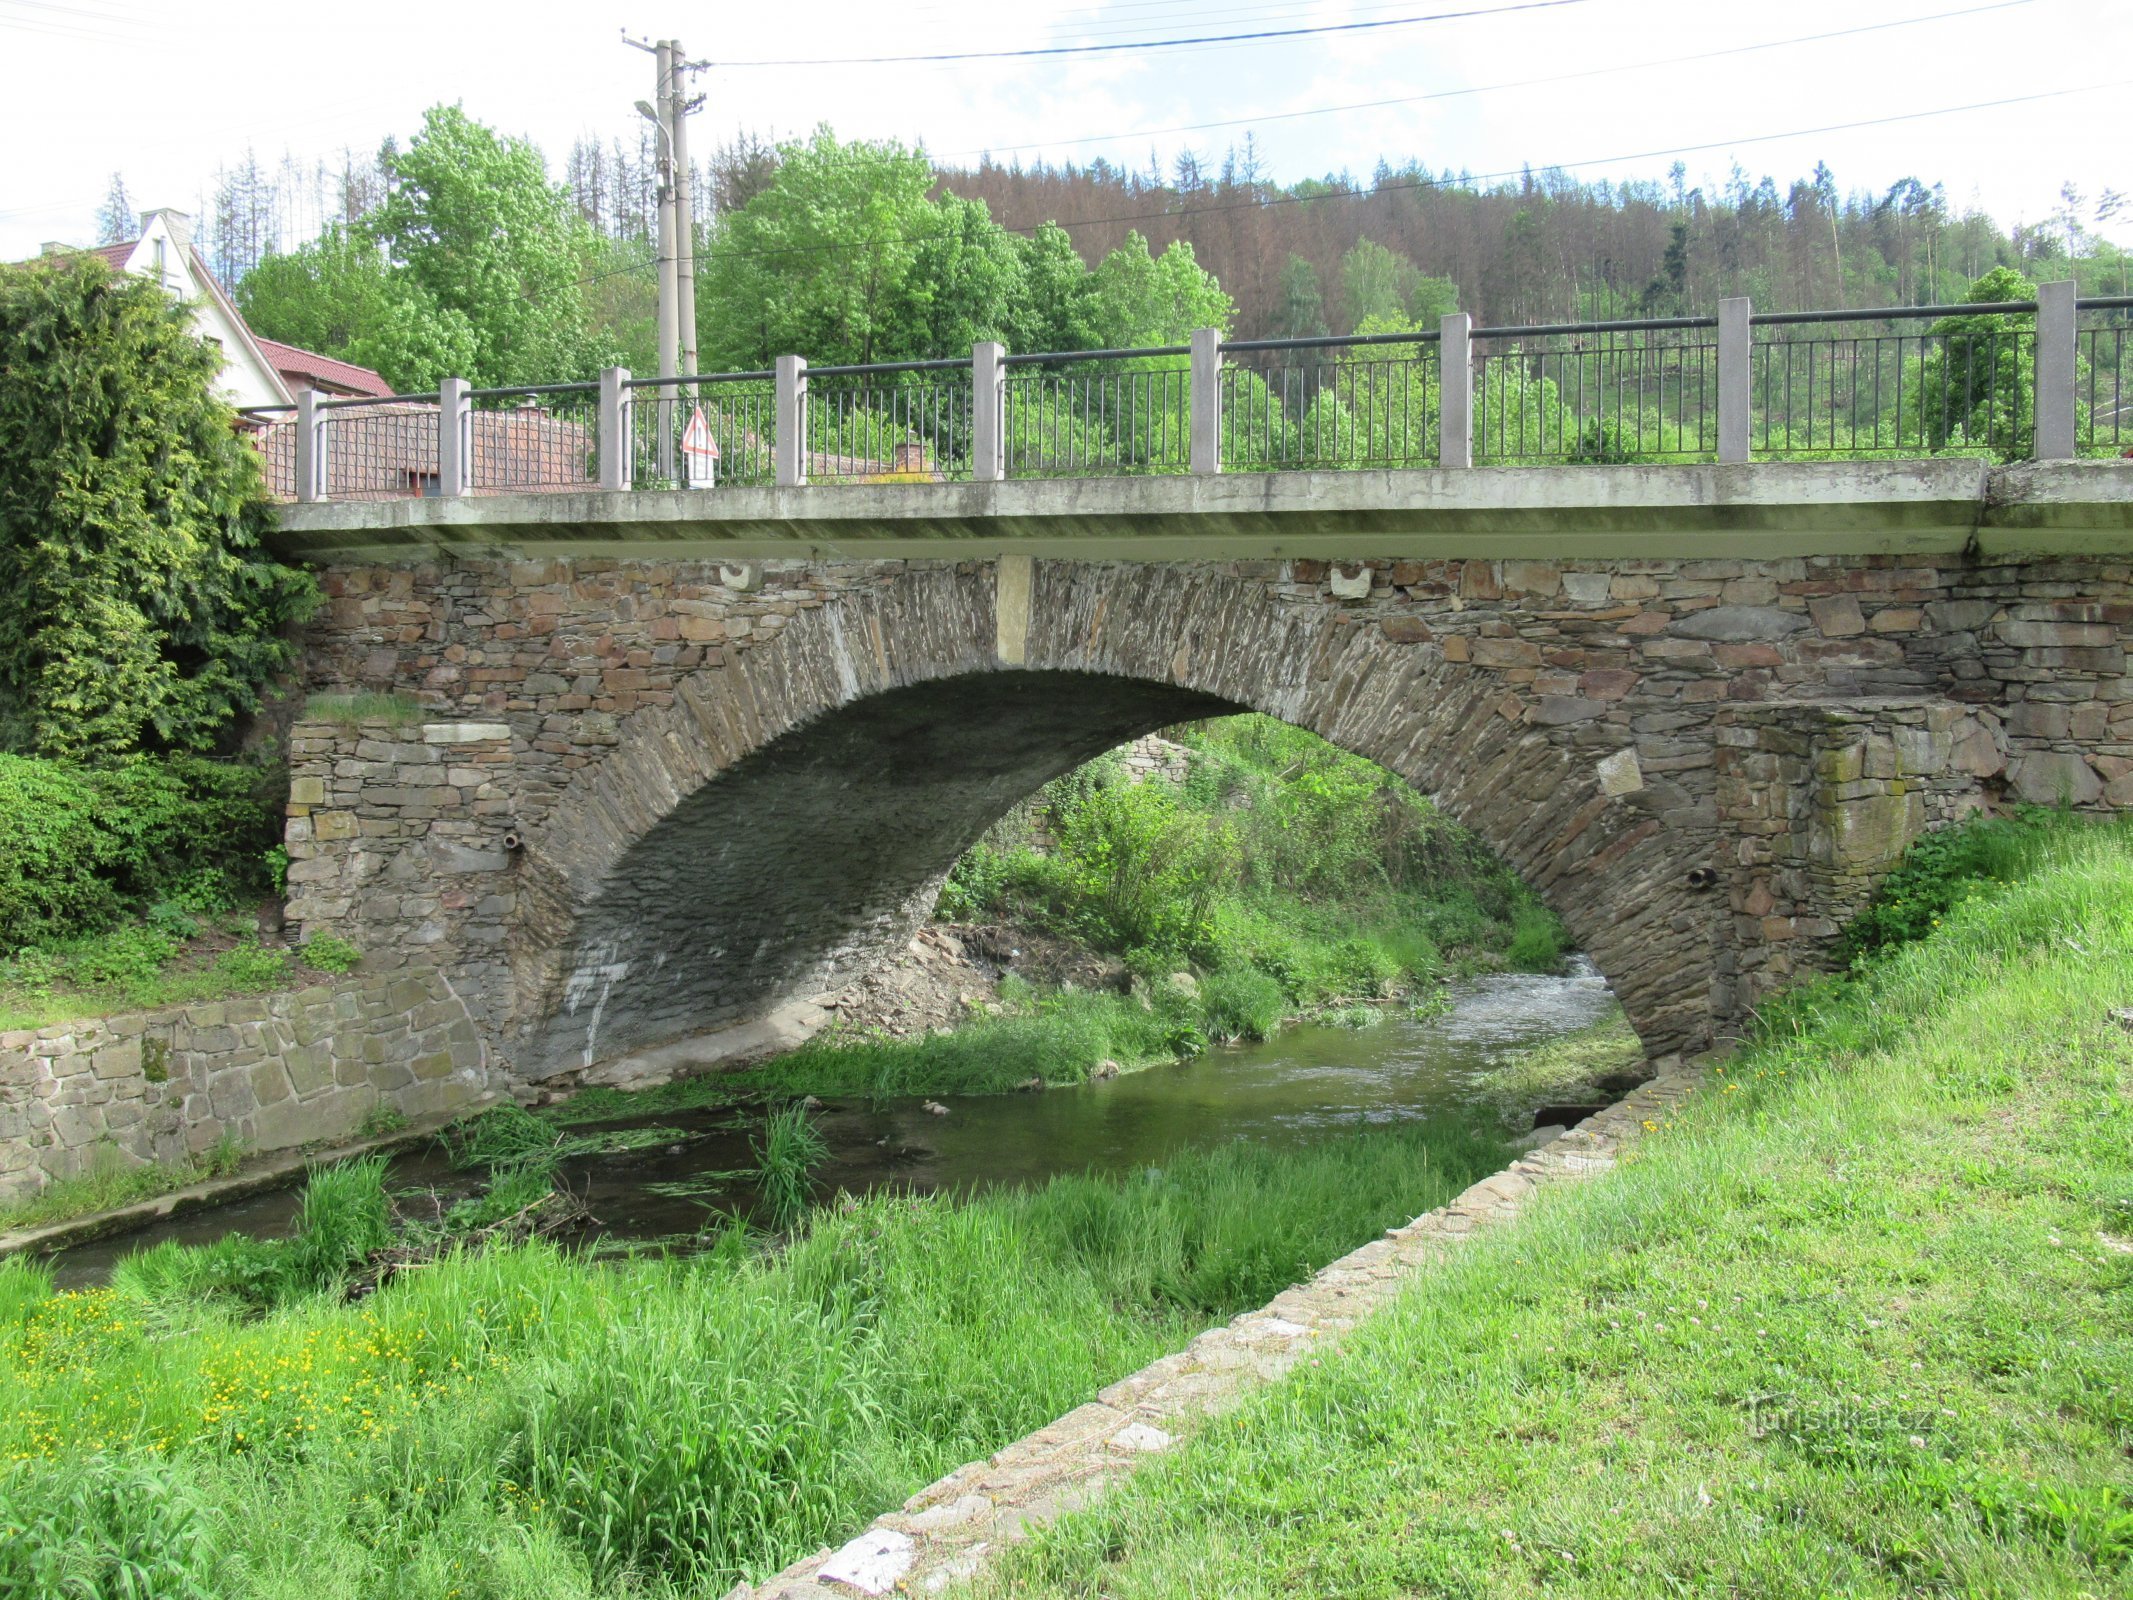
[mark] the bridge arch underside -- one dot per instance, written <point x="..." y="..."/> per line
<point x="791" y="813"/>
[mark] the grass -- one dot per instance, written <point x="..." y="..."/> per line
<point x="1569" y="1070"/>
<point x="521" y="1422"/>
<point x="785" y="1163"/>
<point x="111" y="1181"/>
<point x="170" y="958"/>
<point x="1859" y="1321"/>
<point x="1059" y="1037"/>
<point x="351" y="709"/>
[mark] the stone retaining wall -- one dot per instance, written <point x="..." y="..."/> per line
<point x="273" y="1070"/>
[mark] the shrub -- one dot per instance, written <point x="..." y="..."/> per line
<point x="1942" y="868"/>
<point x="80" y="846"/>
<point x="252" y="967"/>
<point x="1537" y="940"/>
<point x="323" y="952"/>
<point x="137" y="605"/>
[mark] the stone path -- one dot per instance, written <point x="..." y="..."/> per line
<point x="949" y="1529"/>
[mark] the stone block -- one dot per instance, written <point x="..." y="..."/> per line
<point x="1620" y="773"/>
<point x="307" y="791"/>
<point x="2053" y="777"/>
<point x="1836" y="616"/>
<point x="465" y="732"/>
<point x="1739" y="624"/>
<point x="1587" y="588"/>
<point x="2031" y="635"/>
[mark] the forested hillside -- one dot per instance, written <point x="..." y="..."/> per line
<point x="459" y="248"/>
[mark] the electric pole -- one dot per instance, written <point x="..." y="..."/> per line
<point x="668" y="111"/>
<point x="684" y="205"/>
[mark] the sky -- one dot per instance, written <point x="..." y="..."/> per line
<point x="166" y="91"/>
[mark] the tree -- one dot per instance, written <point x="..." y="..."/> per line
<point x="338" y="294"/>
<point x="115" y="218"/>
<point x="1142" y="299"/>
<point x="1976" y="386"/>
<point x="1058" y="311"/>
<point x="137" y="606"/>
<point x="242" y="229"/>
<point x="1301" y="312"/>
<point x="816" y="262"/>
<point x="469" y="266"/>
<point x="477" y="228"/>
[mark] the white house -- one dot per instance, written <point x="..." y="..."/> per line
<point x="255" y="371"/>
<point x="165" y="252"/>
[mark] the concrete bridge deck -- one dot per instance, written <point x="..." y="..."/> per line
<point x="1754" y="511"/>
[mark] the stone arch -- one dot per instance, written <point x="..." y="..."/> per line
<point x="792" y="808"/>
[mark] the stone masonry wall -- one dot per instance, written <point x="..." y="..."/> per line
<point x="1686" y="716"/>
<point x="275" y="1070"/>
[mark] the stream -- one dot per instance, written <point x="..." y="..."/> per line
<point x="1308" y="1083"/>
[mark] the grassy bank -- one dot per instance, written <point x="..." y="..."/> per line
<point x="1859" y="1322"/>
<point x="517" y="1422"/>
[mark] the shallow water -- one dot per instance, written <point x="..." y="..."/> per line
<point x="1311" y="1082"/>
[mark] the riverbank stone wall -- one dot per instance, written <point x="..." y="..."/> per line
<point x="274" y="1071"/>
<point x="646" y="796"/>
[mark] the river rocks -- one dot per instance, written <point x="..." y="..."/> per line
<point x="1184" y="983"/>
<point x="1106" y="1068"/>
<point x="933" y="1108"/>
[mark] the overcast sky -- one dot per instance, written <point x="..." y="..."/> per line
<point x="166" y="92"/>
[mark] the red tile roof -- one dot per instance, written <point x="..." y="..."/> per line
<point x="341" y="376"/>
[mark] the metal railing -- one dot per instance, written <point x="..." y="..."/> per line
<point x="1097" y="413"/>
<point x="2103" y="388"/>
<point x="894" y="422"/>
<point x="1597" y="393"/>
<point x="1883" y="386"/>
<point x="2045" y="378"/>
<point x="1366" y="400"/>
<point x="537" y="438"/>
<point x="715" y="429"/>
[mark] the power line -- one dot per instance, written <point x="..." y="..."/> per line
<point x="1492" y="88"/>
<point x="1258" y="36"/>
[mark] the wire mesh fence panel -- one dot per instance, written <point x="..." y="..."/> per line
<point x="2103" y="389"/>
<point x="1882" y="389"/>
<point x="1598" y="398"/>
<point x="890" y="427"/>
<point x="536" y="440"/>
<point x="723" y="432"/>
<point x="1111" y="420"/>
<point x="377" y="449"/>
<point x="271" y="431"/>
<point x="1369" y="407"/>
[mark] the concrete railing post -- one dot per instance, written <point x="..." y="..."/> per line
<point x="2055" y="371"/>
<point x="455" y="438"/>
<point x="988" y="412"/>
<point x="1206" y="382"/>
<point x="310" y="448"/>
<point x="1734" y="387"/>
<point x="791" y="408"/>
<point x="1455" y="390"/>
<point x="617" y="459"/>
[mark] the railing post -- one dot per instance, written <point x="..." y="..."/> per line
<point x="988" y="412"/>
<point x="1455" y="390"/>
<point x="2055" y="372"/>
<point x="310" y="462"/>
<point x="1734" y="387"/>
<point x="792" y="421"/>
<point x="1206" y="401"/>
<point x="617" y="459"/>
<point x="455" y="438"/>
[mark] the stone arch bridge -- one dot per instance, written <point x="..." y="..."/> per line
<point x="685" y="759"/>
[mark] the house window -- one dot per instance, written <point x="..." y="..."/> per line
<point x="425" y="484"/>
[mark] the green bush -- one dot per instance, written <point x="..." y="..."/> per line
<point x="81" y="846"/>
<point x="322" y="952"/>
